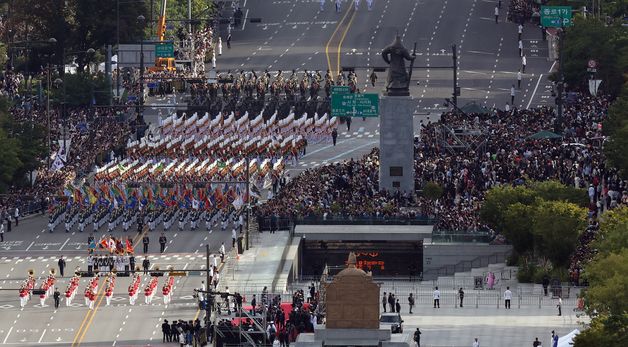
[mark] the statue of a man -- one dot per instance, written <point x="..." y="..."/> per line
<point x="398" y="82"/>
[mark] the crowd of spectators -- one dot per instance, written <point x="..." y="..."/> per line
<point x="508" y="157"/>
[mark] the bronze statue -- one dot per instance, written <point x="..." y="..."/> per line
<point x="398" y="81"/>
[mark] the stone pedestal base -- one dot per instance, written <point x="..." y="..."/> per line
<point x="396" y="143"/>
<point x="353" y="337"/>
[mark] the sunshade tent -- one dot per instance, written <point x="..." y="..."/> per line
<point x="473" y="107"/>
<point x="544" y="134"/>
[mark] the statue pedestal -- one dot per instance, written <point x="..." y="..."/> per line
<point x="353" y="337"/>
<point x="396" y="143"/>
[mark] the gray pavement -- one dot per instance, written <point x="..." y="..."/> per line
<point x="296" y="34"/>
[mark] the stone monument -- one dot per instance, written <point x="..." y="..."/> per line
<point x="352" y="314"/>
<point x="352" y="299"/>
<point x="396" y="141"/>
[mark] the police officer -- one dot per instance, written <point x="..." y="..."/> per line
<point x="146" y="265"/>
<point x="162" y="243"/>
<point x="373" y="78"/>
<point x="140" y="223"/>
<point x="165" y="329"/>
<point x="132" y="263"/>
<point x="61" y="263"/>
<point x="417" y="337"/>
<point x="334" y="135"/>
<point x="56" y="297"/>
<point x="461" y="295"/>
<point x="145" y="242"/>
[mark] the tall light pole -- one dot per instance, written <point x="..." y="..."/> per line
<point x="52" y="41"/>
<point x="60" y="82"/>
<point x="118" y="50"/>
<point x="141" y="19"/>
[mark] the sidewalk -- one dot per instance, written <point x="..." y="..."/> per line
<point x="257" y="267"/>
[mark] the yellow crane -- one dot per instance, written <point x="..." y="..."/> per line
<point x="162" y="64"/>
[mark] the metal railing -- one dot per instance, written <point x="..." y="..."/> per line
<point x="457" y="236"/>
<point x="271" y="223"/>
<point x="467" y="265"/>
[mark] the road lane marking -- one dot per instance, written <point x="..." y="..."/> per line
<point x="85" y="319"/>
<point x="352" y="150"/>
<point x="42" y="336"/>
<point x="7" y="337"/>
<point x="534" y="92"/>
<point x="343" y="38"/>
<point x="332" y="37"/>
<point x="65" y="243"/>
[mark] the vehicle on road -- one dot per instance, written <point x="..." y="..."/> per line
<point x="392" y="320"/>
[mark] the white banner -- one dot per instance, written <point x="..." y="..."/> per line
<point x="593" y="86"/>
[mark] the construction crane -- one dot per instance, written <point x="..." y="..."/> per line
<point x="162" y="64"/>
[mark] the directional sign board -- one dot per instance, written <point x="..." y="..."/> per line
<point x="346" y="104"/>
<point x="556" y="16"/>
<point x="366" y="105"/>
<point x="164" y="50"/>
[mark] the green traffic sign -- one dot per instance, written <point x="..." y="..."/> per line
<point x="556" y="16"/>
<point x="366" y="105"/>
<point x="164" y="50"/>
<point x="340" y="90"/>
<point x="354" y="105"/>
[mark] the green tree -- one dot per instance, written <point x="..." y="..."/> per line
<point x="83" y="89"/>
<point x="592" y="39"/>
<point x="23" y="145"/>
<point x="607" y="278"/>
<point x="556" y="227"/>
<point x="517" y="227"/>
<point x="9" y="160"/>
<point x="497" y="201"/>
<point x="556" y="191"/>
<point x="613" y="235"/>
<point x="432" y="190"/>
<point x="604" y="331"/>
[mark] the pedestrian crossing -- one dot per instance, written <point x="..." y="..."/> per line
<point x="170" y="256"/>
<point x="359" y="134"/>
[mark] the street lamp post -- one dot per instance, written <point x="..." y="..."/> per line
<point x="60" y="82"/>
<point x="141" y="19"/>
<point x="54" y="42"/>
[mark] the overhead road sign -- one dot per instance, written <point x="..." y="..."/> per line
<point x="556" y="16"/>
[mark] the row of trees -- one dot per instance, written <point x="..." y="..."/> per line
<point x="606" y="298"/>
<point x="22" y="144"/>
<point x="542" y="220"/>
<point x="79" y="25"/>
<point x="616" y="127"/>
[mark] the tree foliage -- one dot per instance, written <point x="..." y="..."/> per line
<point x="499" y="199"/>
<point x="604" y="331"/>
<point x="607" y="292"/>
<point x="613" y="233"/>
<point x="84" y="89"/>
<point x="616" y="126"/>
<point x="517" y="221"/>
<point x="606" y="298"/>
<point x="23" y="145"/>
<point x="593" y="39"/>
<point x="556" y="226"/>
<point x="556" y="191"/>
<point x="432" y="190"/>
